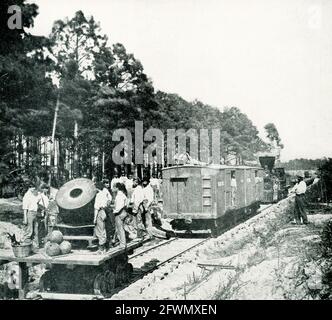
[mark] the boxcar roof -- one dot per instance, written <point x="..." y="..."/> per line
<point x="213" y="166"/>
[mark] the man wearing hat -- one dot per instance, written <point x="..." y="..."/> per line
<point x="102" y="201"/>
<point x="299" y="211"/>
<point x="31" y="201"/>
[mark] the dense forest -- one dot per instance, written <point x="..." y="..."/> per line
<point x="91" y="87"/>
<point x="303" y="164"/>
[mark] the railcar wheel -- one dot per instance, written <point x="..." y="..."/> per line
<point x="129" y="271"/>
<point x="110" y="280"/>
<point x="47" y="282"/>
<point x="100" y="285"/>
<point x="120" y="274"/>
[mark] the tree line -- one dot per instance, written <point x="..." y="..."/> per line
<point x="92" y="87"/>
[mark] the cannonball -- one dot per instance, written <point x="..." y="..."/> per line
<point x="56" y="237"/>
<point x="52" y="249"/>
<point x="65" y="247"/>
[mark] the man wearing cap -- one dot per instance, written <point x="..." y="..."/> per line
<point x="102" y="201"/>
<point x="299" y="189"/>
<point x="30" y="202"/>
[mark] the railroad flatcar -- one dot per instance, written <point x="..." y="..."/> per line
<point x="214" y="197"/>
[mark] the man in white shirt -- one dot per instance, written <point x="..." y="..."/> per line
<point x="299" y="211"/>
<point x="102" y="201"/>
<point x="114" y="181"/>
<point x="136" y="199"/>
<point x="316" y="179"/>
<point x="137" y="195"/>
<point x="31" y="201"/>
<point x="129" y="185"/>
<point x="120" y="213"/>
<point x="123" y="178"/>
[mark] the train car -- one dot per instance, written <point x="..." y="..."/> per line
<point x="211" y="197"/>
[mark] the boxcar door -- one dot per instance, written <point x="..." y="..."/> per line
<point x="169" y="189"/>
<point x="181" y="193"/>
<point x="188" y="194"/>
<point x="180" y="199"/>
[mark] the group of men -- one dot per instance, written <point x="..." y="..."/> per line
<point x="124" y="209"/>
<point x="128" y="182"/>
<point x="130" y="210"/>
<point x="39" y="214"/>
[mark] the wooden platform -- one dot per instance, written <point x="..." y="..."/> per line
<point x="77" y="257"/>
<point x="66" y="226"/>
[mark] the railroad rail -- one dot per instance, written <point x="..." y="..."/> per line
<point x="168" y="252"/>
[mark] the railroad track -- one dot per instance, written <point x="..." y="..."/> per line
<point x="145" y="260"/>
<point x="150" y="259"/>
<point x="166" y="252"/>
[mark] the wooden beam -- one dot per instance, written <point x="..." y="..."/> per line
<point x="68" y="296"/>
<point x="3" y="262"/>
<point x="23" y="280"/>
<point x="215" y="265"/>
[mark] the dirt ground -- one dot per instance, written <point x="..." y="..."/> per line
<point x="279" y="261"/>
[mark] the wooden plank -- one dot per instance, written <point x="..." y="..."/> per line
<point x="75" y="227"/>
<point x="68" y="296"/>
<point x="78" y="257"/>
<point x="215" y="265"/>
<point x="87" y="238"/>
<point x="23" y="280"/>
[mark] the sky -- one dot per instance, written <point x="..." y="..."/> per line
<point x="270" y="58"/>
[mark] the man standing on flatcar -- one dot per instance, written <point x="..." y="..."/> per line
<point x="30" y="204"/>
<point x="299" y="211"/>
<point x="102" y="201"/>
<point x="120" y="212"/>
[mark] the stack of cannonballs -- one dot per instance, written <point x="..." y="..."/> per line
<point x="56" y="245"/>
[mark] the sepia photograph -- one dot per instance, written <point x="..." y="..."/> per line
<point x="174" y="151"/>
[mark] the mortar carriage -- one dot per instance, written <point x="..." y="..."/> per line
<point x="211" y="197"/>
<point x="76" y="210"/>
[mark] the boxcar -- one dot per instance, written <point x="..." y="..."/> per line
<point x="210" y="197"/>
